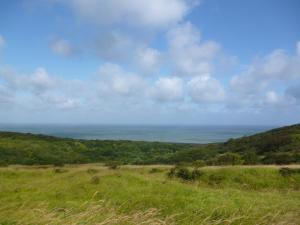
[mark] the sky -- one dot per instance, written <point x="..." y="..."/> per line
<point x="195" y="62"/>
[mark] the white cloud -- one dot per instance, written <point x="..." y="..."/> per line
<point x="167" y="89"/>
<point x="277" y="69"/>
<point x="40" y="90"/>
<point x="204" y="89"/>
<point x="189" y="55"/>
<point x="298" y="48"/>
<point x="60" y="101"/>
<point x="272" y="97"/>
<point x="6" y="96"/>
<point x="149" y="59"/>
<point x="155" y="13"/>
<point x="62" y="47"/>
<point x="2" y="41"/>
<point x="39" y="81"/>
<point x="113" y="80"/>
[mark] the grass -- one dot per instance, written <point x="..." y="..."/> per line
<point x="93" y="194"/>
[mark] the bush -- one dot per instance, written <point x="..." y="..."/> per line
<point x="95" y="180"/>
<point x="91" y="171"/>
<point x="286" y="172"/>
<point x="184" y="173"/>
<point x="250" y="158"/>
<point x="229" y="159"/>
<point x="172" y="172"/>
<point x="58" y="164"/>
<point x="155" y="170"/>
<point x="3" y="164"/>
<point x="280" y="158"/>
<point x="113" y="165"/>
<point x="215" y="179"/>
<point x="199" y="163"/>
<point x="59" y="170"/>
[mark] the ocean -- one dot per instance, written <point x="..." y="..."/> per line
<point x="178" y="134"/>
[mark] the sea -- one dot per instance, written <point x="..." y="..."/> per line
<point x="161" y="133"/>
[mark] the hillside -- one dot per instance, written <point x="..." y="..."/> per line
<point x="92" y="194"/>
<point x="280" y="145"/>
<point x="277" y="146"/>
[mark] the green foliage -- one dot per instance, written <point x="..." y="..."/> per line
<point x="278" y="146"/>
<point x="59" y="170"/>
<point x="92" y="171"/>
<point x="113" y="165"/>
<point x="95" y="180"/>
<point x="184" y="173"/>
<point x="228" y="159"/>
<point x="198" y="163"/>
<point x="155" y="170"/>
<point x="250" y="158"/>
<point x="286" y="172"/>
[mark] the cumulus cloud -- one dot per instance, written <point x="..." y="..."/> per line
<point x="272" y="97"/>
<point x="6" y="96"/>
<point x="275" y="69"/>
<point x="63" y="48"/>
<point x="155" y="13"/>
<point x="149" y="59"/>
<point x="40" y="89"/>
<point x="189" y="55"/>
<point x="205" y="89"/>
<point x="114" y="80"/>
<point x="167" y="89"/>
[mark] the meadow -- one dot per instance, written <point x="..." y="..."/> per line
<point x="95" y="194"/>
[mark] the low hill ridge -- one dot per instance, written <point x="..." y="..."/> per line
<point x="276" y="146"/>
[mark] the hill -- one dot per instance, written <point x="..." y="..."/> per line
<point x="92" y="194"/>
<point x="277" y="146"/>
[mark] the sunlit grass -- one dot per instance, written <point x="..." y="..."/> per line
<point x="135" y="195"/>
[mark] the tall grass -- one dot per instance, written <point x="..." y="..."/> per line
<point x="137" y="195"/>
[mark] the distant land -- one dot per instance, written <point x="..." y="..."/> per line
<point x="276" y="146"/>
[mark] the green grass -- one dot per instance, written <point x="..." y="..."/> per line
<point x="141" y="195"/>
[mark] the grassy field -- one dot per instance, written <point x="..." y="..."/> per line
<point x="93" y="194"/>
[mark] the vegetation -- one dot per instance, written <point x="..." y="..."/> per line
<point x="92" y="194"/>
<point x="278" y="146"/>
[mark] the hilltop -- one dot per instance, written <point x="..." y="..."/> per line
<point x="277" y="146"/>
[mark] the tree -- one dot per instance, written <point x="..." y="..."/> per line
<point x="250" y="158"/>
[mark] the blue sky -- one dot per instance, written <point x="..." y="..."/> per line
<point x="150" y="62"/>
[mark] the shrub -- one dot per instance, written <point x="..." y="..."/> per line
<point x="91" y="171"/>
<point x="58" y="164"/>
<point x="172" y="172"/>
<point x="3" y="164"/>
<point x="184" y="173"/>
<point x="215" y="179"/>
<point x="229" y="159"/>
<point x="280" y="158"/>
<point x="250" y="158"/>
<point x="286" y="172"/>
<point x="95" y="180"/>
<point x="59" y="170"/>
<point x="113" y="165"/>
<point x="155" y="170"/>
<point x="199" y="163"/>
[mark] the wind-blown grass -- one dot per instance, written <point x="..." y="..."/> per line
<point x="135" y="195"/>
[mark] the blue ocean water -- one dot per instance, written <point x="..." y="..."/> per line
<point x="178" y="134"/>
